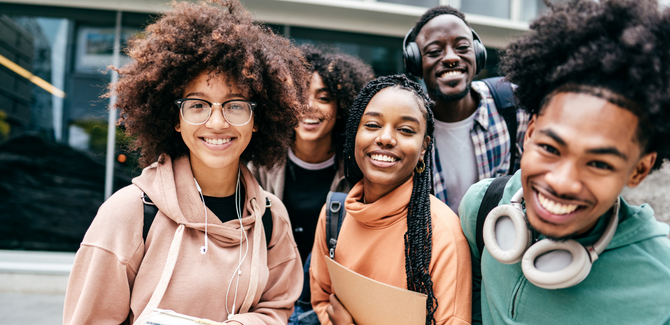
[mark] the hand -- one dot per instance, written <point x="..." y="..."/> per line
<point x="337" y="314"/>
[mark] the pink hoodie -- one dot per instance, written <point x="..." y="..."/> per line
<point x="115" y="272"/>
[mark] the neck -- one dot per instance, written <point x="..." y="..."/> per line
<point x="216" y="182"/>
<point x="374" y="191"/>
<point x="456" y="111"/>
<point x="315" y="151"/>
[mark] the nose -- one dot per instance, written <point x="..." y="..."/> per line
<point x="217" y="121"/>
<point x="564" y="180"/>
<point x="450" y="57"/>
<point x="386" y="137"/>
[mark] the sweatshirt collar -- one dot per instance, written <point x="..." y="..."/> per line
<point x="384" y="212"/>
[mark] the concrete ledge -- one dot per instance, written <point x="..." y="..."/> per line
<point x="34" y="272"/>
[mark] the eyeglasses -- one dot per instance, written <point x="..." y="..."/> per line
<point x="197" y="111"/>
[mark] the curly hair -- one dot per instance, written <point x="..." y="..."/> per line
<point x="344" y="75"/>
<point x="432" y="13"/>
<point x="419" y="235"/>
<point x="221" y="37"/>
<point x="613" y="49"/>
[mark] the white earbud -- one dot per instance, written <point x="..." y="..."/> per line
<point x="547" y="264"/>
<point x="203" y="249"/>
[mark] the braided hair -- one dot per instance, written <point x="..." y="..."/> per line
<point x="419" y="235"/>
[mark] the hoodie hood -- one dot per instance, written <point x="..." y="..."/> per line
<point x="636" y="223"/>
<point x="171" y="187"/>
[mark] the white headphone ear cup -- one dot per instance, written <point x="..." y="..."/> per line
<point x="569" y="276"/>
<point x="522" y="236"/>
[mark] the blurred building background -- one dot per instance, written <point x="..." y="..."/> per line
<point x="54" y="126"/>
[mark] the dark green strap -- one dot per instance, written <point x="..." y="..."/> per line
<point x="491" y="199"/>
<point x="267" y="221"/>
<point x="503" y="96"/>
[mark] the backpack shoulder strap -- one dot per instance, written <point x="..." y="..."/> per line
<point x="503" y="96"/>
<point x="491" y="199"/>
<point x="335" y="214"/>
<point x="150" y="211"/>
<point x="267" y="221"/>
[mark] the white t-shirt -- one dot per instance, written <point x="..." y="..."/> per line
<point x="457" y="158"/>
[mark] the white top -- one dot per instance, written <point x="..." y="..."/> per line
<point x="457" y="158"/>
<point x="309" y="166"/>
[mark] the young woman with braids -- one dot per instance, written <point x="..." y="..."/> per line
<point x="391" y="216"/>
<point x="208" y="91"/>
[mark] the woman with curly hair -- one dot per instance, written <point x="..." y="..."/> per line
<point x="562" y="246"/>
<point x="391" y="217"/>
<point x="314" y="159"/>
<point x="209" y="90"/>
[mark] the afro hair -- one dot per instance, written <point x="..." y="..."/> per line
<point x="219" y="37"/>
<point x="613" y="49"/>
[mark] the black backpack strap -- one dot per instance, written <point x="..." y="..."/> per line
<point x="503" y="96"/>
<point x="334" y="207"/>
<point x="491" y="199"/>
<point x="267" y="221"/>
<point x="150" y="211"/>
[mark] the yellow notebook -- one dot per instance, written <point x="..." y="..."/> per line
<point x="371" y="302"/>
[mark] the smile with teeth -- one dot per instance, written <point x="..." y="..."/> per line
<point x="383" y="158"/>
<point x="217" y="141"/>
<point x="447" y="74"/>
<point x="555" y="207"/>
<point x="310" y="121"/>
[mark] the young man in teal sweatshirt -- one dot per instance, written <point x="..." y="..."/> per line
<point x="595" y="77"/>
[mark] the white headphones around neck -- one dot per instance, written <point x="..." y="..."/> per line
<point x="547" y="264"/>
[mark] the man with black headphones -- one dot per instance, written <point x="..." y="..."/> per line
<point x="478" y="129"/>
<point x="556" y="243"/>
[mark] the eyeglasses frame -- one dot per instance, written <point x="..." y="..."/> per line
<point x="180" y="101"/>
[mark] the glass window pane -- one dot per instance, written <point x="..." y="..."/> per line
<point x="492" y="8"/>
<point x="418" y="3"/>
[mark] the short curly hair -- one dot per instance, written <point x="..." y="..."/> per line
<point x="344" y="75"/>
<point x="613" y="49"/>
<point x="432" y="13"/>
<point x="221" y="37"/>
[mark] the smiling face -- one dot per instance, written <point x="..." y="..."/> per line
<point x="323" y="105"/>
<point x="391" y="138"/>
<point x="447" y="57"/>
<point x="215" y="144"/>
<point x="578" y="155"/>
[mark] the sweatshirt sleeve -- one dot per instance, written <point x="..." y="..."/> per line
<point x="285" y="278"/>
<point x="450" y="267"/>
<point x="105" y="266"/>
<point x="320" y="285"/>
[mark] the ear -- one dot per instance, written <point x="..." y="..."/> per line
<point x="642" y="169"/>
<point x="178" y="127"/>
<point x="424" y="147"/>
<point x="255" y="127"/>
<point x="529" y="131"/>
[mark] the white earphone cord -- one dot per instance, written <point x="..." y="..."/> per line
<point x="241" y="258"/>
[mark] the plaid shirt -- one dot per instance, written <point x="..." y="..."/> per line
<point x="490" y="139"/>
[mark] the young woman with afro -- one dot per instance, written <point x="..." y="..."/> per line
<point x="395" y="232"/>
<point x="209" y="90"/>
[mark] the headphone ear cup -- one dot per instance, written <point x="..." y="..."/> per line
<point x="480" y="52"/>
<point x="542" y="266"/>
<point x="412" y="59"/>
<point x="498" y="220"/>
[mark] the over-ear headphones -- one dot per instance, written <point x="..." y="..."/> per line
<point x="547" y="264"/>
<point x="411" y="55"/>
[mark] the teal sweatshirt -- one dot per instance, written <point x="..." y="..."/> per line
<point x="628" y="284"/>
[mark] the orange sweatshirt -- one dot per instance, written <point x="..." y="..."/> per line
<point x="371" y="243"/>
<point x="115" y="272"/>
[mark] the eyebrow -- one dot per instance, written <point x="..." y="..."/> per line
<point x="404" y="117"/>
<point x="323" y="89"/>
<point x="598" y="151"/>
<point x="233" y="95"/>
